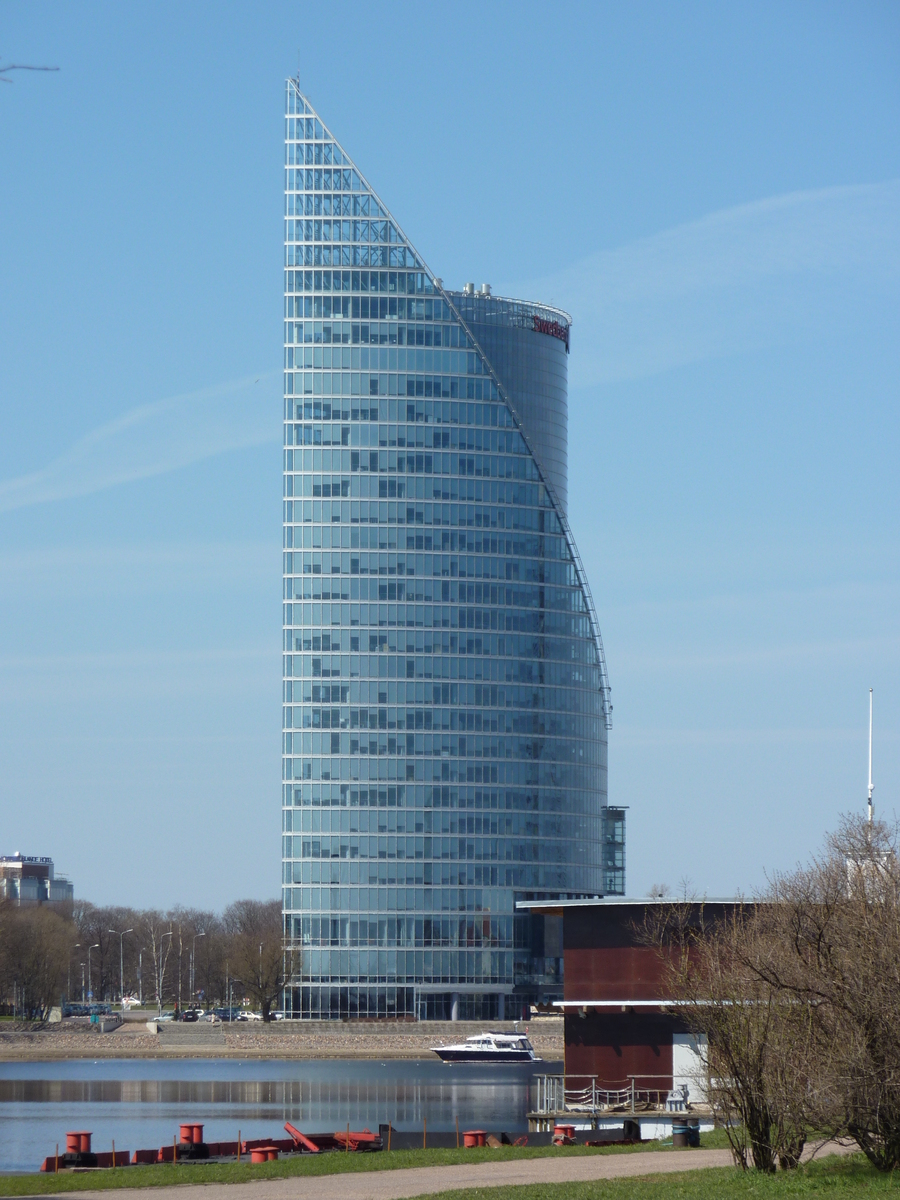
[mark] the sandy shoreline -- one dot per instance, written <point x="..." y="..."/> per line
<point x="307" y="1040"/>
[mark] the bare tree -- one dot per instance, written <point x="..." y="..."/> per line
<point x="754" y="1053"/>
<point x="799" y="996"/>
<point x="256" y="951"/>
<point x="209" y="961"/>
<point x="836" y="927"/>
<point x="20" y="67"/>
<point x="94" y="925"/>
<point x="35" y="944"/>
<point x="155" y="932"/>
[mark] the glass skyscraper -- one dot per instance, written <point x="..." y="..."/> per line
<point x="446" y="703"/>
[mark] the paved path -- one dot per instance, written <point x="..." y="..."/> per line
<point x="419" y="1181"/>
<point x="424" y="1181"/>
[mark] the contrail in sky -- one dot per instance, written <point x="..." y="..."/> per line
<point x="155" y="438"/>
<point x="760" y="274"/>
<point x="765" y="273"/>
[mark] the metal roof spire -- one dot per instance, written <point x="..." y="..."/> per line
<point x="870" y="756"/>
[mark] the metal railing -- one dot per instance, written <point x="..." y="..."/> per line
<point x="510" y="306"/>
<point x="559" y="1094"/>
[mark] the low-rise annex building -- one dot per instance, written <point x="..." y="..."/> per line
<point x="623" y="1032"/>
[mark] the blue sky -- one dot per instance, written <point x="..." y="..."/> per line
<point x="713" y="191"/>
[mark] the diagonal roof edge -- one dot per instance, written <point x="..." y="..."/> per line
<point x="390" y="216"/>
<point x="605" y="688"/>
<point x="545" y="480"/>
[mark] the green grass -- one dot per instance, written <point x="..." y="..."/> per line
<point x="836" y="1176"/>
<point x="166" y="1174"/>
<point x="849" y="1176"/>
<point x="832" y="1177"/>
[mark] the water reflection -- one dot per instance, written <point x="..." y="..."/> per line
<point x="139" y="1102"/>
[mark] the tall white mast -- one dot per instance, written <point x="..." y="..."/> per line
<point x="870" y="756"/>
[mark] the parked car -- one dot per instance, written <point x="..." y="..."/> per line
<point x="192" y="1014"/>
<point x="228" y="1014"/>
<point x="87" y="1010"/>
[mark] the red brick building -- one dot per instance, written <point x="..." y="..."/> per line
<point x="618" y="1024"/>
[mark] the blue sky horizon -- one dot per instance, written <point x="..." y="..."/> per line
<point x="714" y="194"/>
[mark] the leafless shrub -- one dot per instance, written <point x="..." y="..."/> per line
<point x="799" y="997"/>
<point x="836" y="926"/>
<point x="755" y="1049"/>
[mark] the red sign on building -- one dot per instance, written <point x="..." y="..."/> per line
<point x="553" y="328"/>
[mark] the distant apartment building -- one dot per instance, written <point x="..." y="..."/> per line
<point x="26" y="880"/>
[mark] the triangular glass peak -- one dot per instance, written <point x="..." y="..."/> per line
<point x="340" y="237"/>
<point x="325" y="184"/>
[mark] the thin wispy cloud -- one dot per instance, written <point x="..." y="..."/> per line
<point x="249" y="671"/>
<point x="153" y="439"/>
<point x="756" y="275"/>
<point x="122" y="568"/>
<point x="638" y="737"/>
<point x="765" y="656"/>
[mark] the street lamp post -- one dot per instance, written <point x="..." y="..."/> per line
<point x="178" y="1008"/>
<point x="193" y="944"/>
<point x="141" y="977"/>
<point x="82" y="983"/>
<point x="160" y="969"/>
<point x="121" y="937"/>
<point x="77" y="946"/>
<point x="96" y="946"/>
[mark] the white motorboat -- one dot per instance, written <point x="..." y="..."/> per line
<point x="490" y="1048"/>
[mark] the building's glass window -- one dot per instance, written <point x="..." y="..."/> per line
<point x="445" y="703"/>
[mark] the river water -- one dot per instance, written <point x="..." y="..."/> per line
<point x="140" y="1102"/>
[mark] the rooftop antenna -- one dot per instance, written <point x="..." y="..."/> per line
<point x="870" y="756"/>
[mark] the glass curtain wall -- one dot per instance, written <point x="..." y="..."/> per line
<point x="445" y="707"/>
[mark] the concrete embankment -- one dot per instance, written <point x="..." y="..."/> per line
<point x="282" y="1039"/>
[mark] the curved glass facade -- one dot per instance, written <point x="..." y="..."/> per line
<point x="445" y="697"/>
<point x="531" y="370"/>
